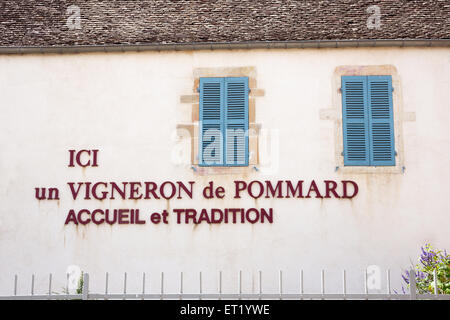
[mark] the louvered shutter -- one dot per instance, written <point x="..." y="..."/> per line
<point x="211" y="121"/>
<point x="236" y="121"/>
<point x="381" y="121"/>
<point x="355" y="121"/>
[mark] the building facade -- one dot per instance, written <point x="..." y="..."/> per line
<point x="283" y="155"/>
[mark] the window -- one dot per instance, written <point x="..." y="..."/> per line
<point x="368" y="124"/>
<point x="223" y="122"/>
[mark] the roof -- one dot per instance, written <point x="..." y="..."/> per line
<point x="30" y="23"/>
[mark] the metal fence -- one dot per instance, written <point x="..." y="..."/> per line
<point x="239" y="295"/>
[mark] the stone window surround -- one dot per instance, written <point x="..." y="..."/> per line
<point x="193" y="126"/>
<point x="335" y="114"/>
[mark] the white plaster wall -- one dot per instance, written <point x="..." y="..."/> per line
<point x="127" y="105"/>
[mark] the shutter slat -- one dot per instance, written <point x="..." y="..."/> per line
<point x="236" y="121"/>
<point x="211" y="124"/>
<point x="355" y="121"/>
<point x="381" y="122"/>
<point x="211" y="100"/>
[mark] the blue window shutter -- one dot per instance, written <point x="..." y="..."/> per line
<point x="236" y="121"/>
<point x="355" y="121"/>
<point x="381" y="121"/>
<point x="211" y="124"/>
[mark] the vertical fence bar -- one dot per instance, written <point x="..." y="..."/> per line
<point x="301" y="284"/>
<point x="366" y="289"/>
<point x="240" y="284"/>
<point x="436" y="289"/>
<point x="260" y="284"/>
<point x="15" y="284"/>
<point x="344" y="283"/>
<point x="281" y="284"/>
<point x="50" y="284"/>
<point x="220" y="285"/>
<point x="85" y="290"/>
<point x="67" y="283"/>
<point x="32" y="284"/>
<point x="143" y="285"/>
<point x="200" y="284"/>
<point x="322" y="282"/>
<point x="181" y="285"/>
<point x="412" y="285"/>
<point x="106" y="285"/>
<point x="388" y="283"/>
<point x="162" y="285"/>
<point x="124" y="285"/>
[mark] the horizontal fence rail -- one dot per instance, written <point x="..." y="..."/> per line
<point x="239" y="295"/>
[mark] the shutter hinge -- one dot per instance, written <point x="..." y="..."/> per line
<point x="340" y="90"/>
<point x="249" y="90"/>
<point x="342" y="153"/>
<point x="198" y="89"/>
<point x="392" y="89"/>
<point x="396" y="153"/>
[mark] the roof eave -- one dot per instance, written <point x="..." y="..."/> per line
<point x="303" y="44"/>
